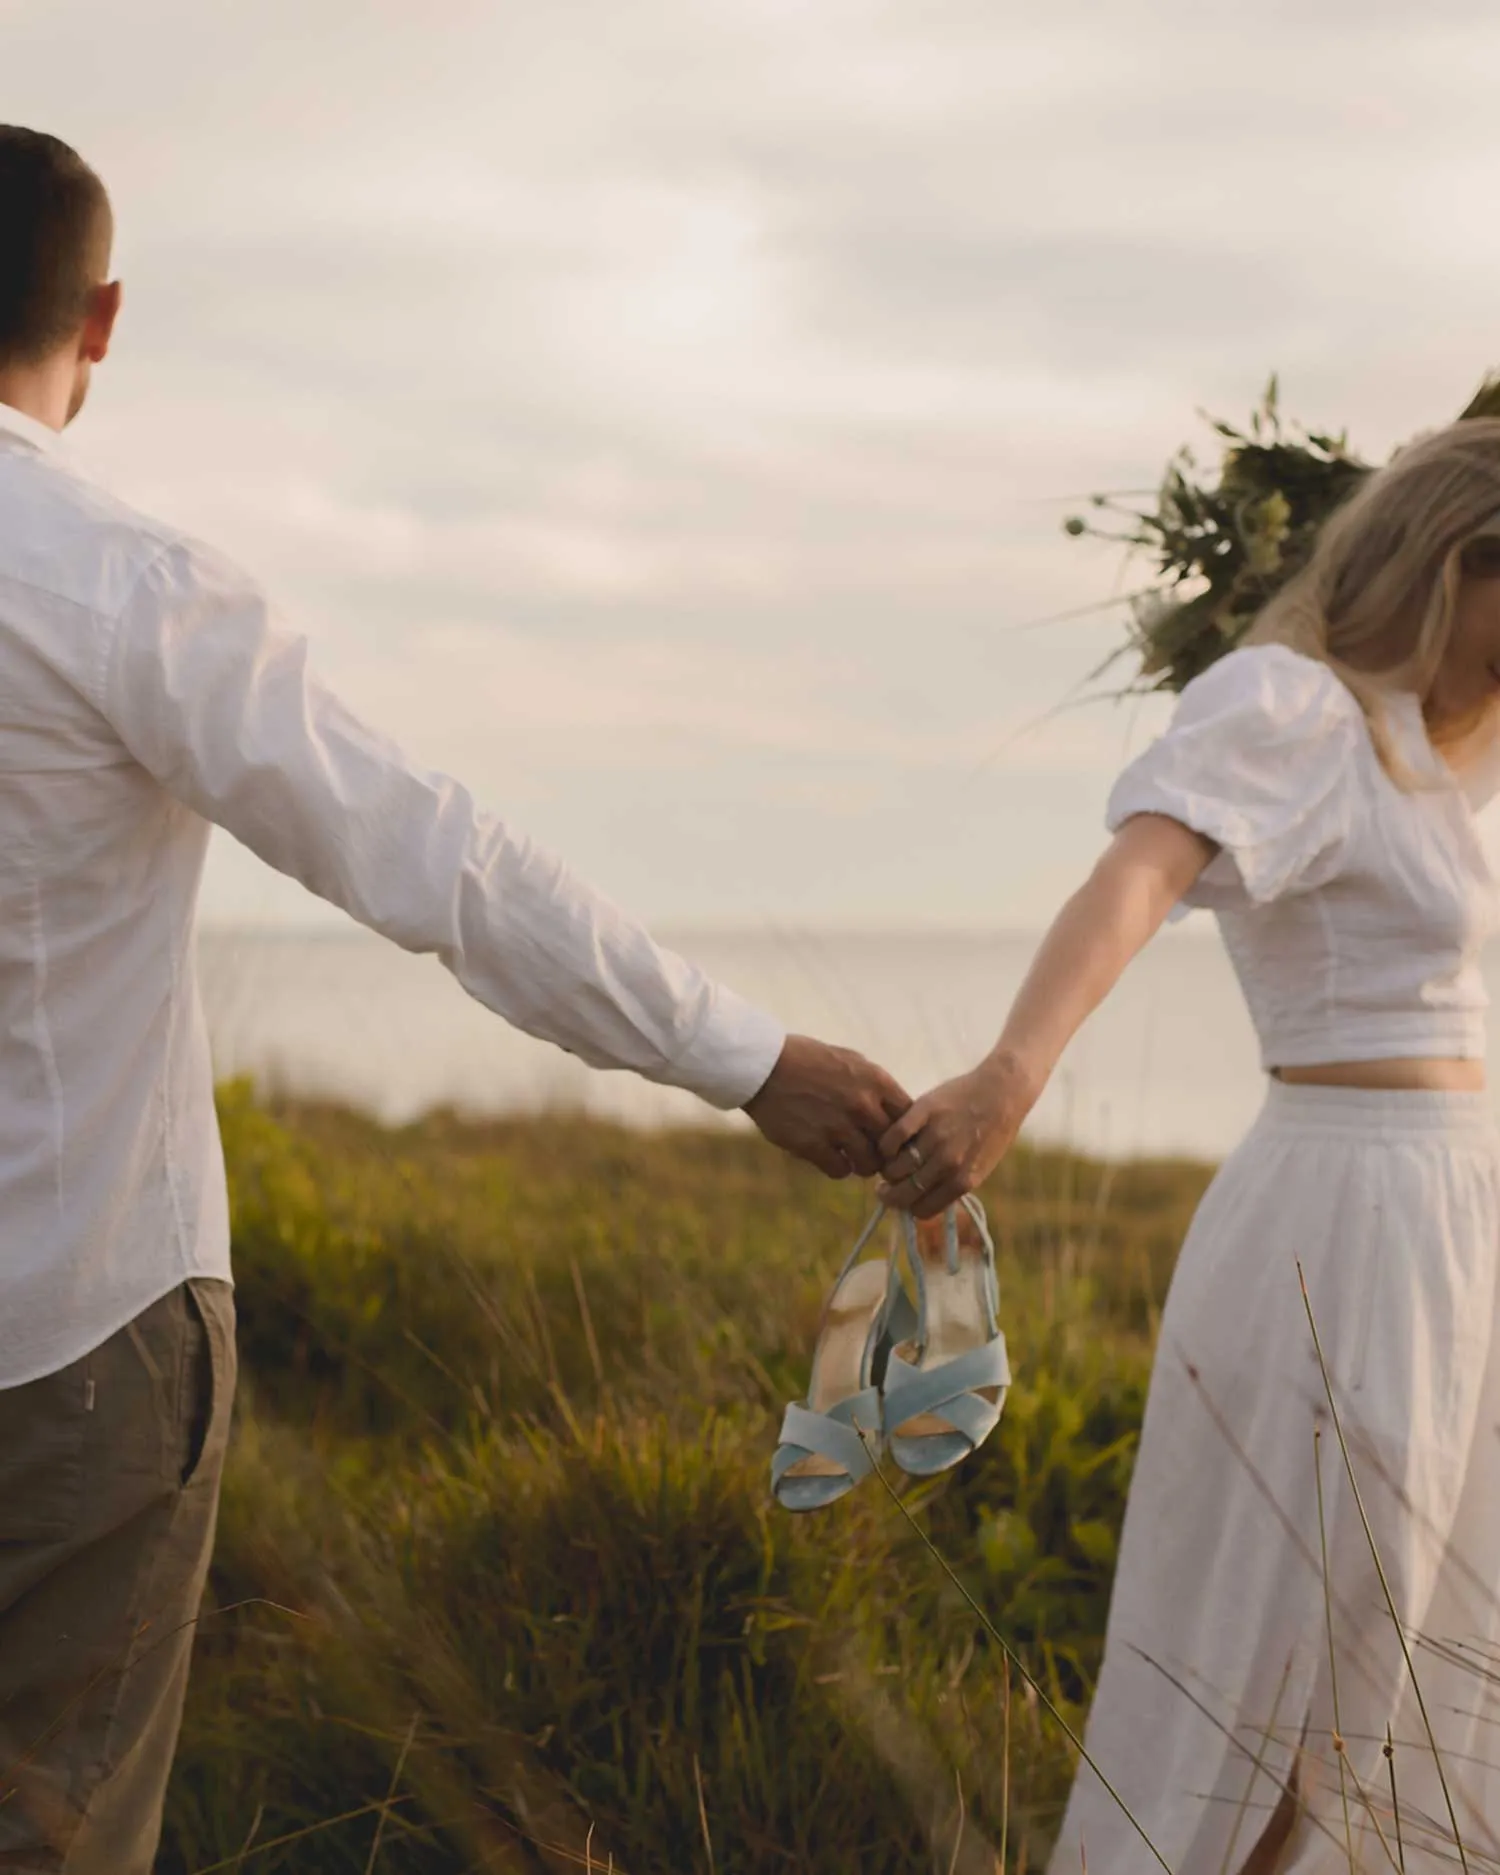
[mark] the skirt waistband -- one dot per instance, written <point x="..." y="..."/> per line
<point x="1292" y="1107"/>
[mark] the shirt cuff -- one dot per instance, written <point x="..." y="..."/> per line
<point x="730" y="1058"/>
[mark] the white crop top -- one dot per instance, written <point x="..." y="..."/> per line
<point x="1353" y="909"/>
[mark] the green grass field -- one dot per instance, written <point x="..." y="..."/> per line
<point x="498" y="1581"/>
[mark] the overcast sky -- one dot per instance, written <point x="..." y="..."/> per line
<point x="662" y="413"/>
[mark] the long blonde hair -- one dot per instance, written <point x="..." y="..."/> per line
<point x="1376" y="601"/>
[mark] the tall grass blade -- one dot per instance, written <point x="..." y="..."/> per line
<point x="1333" y="1665"/>
<point x="708" y="1843"/>
<point x="400" y="1766"/>
<point x="1287" y="1789"/>
<point x="234" y="1862"/>
<point x="250" y="1835"/>
<point x="1020" y="1665"/>
<point x="1390" y="1765"/>
<point x="591" y="1340"/>
<point x="1385" y="1587"/>
<point x="958" y="1834"/>
<point x="1005" y="1771"/>
<point x="1257" y="1765"/>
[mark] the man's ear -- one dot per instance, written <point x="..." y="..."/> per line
<point x="99" y="321"/>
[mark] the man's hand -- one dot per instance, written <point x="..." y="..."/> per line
<point x="828" y="1105"/>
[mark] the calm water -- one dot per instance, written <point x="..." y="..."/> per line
<point x="1168" y="1065"/>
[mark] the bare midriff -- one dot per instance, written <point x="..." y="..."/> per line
<point x="1421" y="1075"/>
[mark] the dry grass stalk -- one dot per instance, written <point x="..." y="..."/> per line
<point x="1333" y="1665"/>
<point x="250" y="1835"/>
<point x="399" y="1767"/>
<point x="1385" y="1587"/>
<point x="1257" y="1765"/>
<point x="958" y="1834"/>
<point x="1390" y="1761"/>
<point x="708" y="1841"/>
<point x="1020" y="1666"/>
<point x="1005" y="1770"/>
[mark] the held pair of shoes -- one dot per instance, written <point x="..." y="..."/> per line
<point x="926" y="1382"/>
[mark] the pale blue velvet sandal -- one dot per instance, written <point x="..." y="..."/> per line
<point x="829" y="1441"/>
<point x="944" y="1390"/>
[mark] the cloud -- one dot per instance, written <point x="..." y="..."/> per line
<point x="625" y="395"/>
<point x="671" y="705"/>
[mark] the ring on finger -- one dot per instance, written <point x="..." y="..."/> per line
<point x="915" y="1150"/>
<point x="916" y="1183"/>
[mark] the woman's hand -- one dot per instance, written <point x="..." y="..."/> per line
<point x="954" y="1137"/>
<point x="948" y="1142"/>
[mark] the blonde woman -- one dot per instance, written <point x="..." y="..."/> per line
<point x="1317" y="789"/>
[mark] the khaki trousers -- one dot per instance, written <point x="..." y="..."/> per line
<point x="109" y="1491"/>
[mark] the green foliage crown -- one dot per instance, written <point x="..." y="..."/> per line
<point x="1224" y="546"/>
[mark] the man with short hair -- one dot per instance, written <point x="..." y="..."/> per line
<point x="146" y="691"/>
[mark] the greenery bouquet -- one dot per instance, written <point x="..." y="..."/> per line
<point x="1224" y="544"/>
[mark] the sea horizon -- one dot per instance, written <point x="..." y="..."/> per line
<point x="1167" y="1067"/>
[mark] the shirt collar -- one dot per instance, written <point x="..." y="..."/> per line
<point x="16" y="423"/>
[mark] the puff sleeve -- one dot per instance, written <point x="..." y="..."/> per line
<point x="1261" y="758"/>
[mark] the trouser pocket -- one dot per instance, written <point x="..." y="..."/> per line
<point x="209" y="1370"/>
<point x="96" y="1631"/>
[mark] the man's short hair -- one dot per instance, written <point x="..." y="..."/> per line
<point x="55" y="231"/>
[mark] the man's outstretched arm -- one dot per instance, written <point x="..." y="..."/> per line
<point x="217" y="701"/>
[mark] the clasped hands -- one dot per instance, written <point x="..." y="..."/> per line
<point x="847" y="1116"/>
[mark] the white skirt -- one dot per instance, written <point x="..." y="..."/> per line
<point x="1226" y="1660"/>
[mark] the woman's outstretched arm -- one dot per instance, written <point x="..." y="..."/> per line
<point x="955" y="1135"/>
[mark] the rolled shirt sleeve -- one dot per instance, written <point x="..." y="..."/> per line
<point x="215" y="699"/>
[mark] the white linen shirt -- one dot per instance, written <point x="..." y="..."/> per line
<point x="146" y="690"/>
<point x="1354" y="906"/>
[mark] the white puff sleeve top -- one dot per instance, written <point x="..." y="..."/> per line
<point x="1353" y="909"/>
